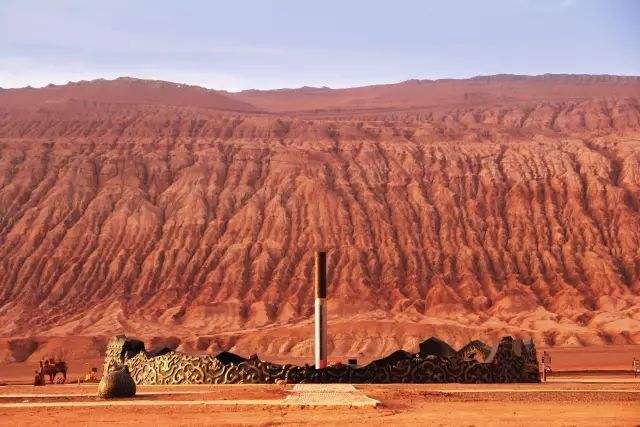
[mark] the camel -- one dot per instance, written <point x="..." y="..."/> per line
<point x="51" y="367"/>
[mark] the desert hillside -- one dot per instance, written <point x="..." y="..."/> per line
<point x="459" y="208"/>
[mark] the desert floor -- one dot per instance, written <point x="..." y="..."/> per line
<point x="567" y="399"/>
<point x="589" y="386"/>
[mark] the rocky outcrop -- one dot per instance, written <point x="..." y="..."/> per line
<point x="470" y="222"/>
<point x="117" y="383"/>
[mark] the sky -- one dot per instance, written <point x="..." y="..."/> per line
<point x="238" y="44"/>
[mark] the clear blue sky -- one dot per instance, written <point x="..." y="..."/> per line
<point x="237" y="44"/>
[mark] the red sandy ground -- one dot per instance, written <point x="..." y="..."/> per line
<point x="585" y="397"/>
<point x="564" y="401"/>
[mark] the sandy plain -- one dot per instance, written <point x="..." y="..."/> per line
<point x="589" y="386"/>
<point x="565" y="400"/>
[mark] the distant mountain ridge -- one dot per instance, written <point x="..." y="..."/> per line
<point x="123" y="90"/>
<point x="410" y="94"/>
<point x="463" y="209"/>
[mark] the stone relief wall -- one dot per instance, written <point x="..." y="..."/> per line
<point x="510" y="360"/>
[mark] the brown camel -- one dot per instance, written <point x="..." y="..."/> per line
<point x="51" y="367"/>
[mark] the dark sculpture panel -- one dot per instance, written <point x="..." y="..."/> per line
<point x="510" y="360"/>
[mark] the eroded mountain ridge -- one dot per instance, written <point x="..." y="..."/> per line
<point x="189" y="221"/>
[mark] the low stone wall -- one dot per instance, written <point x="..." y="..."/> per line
<point x="509" y="361"/>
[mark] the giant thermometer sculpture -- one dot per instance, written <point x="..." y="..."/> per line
<point x="321" y="310"/>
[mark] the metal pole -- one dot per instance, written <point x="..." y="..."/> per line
<point x="321" y="310"/>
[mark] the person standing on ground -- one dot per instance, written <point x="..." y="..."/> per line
<point x="546" y="365"/>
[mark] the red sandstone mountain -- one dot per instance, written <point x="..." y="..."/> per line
<point x="120" y="91"/>
<point x="447" y="93"/>
<point x="459" y="208"/>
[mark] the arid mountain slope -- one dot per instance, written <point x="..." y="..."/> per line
<point x="463" y="222"/>
<point x="124" y="90"/>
